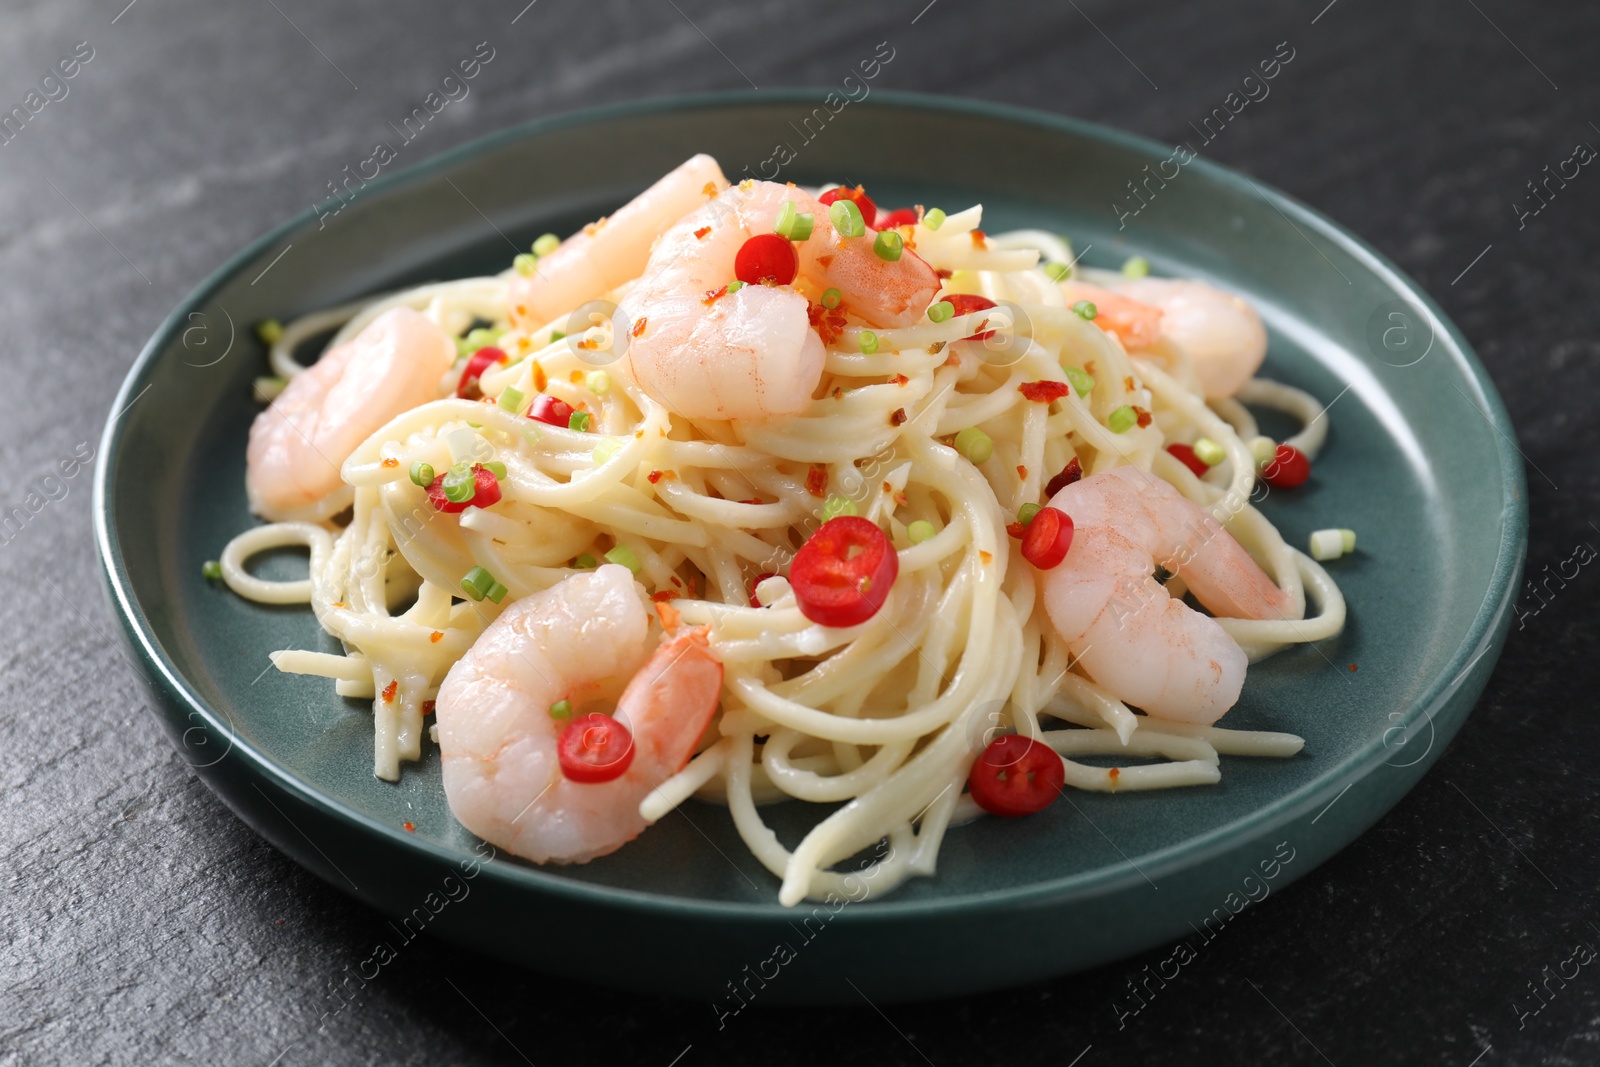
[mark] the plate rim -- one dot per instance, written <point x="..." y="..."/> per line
<point x="1482" y="634"/>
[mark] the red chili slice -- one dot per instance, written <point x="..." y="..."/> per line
<point x="1047" y="538"/>
<point x="548" y="409"/>
<point x="965" y="304"/>
<point x="594" y="748"/>
<point x="1289" y="468"/>
<point x="766" y="257"/>
<point x="481" y="360"/>
<point x="900" y="216"/>
<point x="869" y="210"/>
<point x="486" y="493"/>
<point x="1015" y="776"/>
<point x="1069" y="474"/>
<point x="1186" y="456"/>
<point x="842" y="576"/>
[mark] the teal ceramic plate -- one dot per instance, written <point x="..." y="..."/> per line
<point x="1420" y="461"/>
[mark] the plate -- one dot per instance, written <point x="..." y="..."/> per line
<point x="1420" y="461"/>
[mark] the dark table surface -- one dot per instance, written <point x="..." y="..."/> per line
<point x="140" y="922"/>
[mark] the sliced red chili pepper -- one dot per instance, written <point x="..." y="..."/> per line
<point x="1047" y="538"/>
<point x="1186" y="455"/>
<point x="548" y="409"/>
<point x="965" y="304"/>
<point x="594" y="748"/>
<point x="842" y="576"/>
<point x="900" y="216"/>
<point x="1069" y="474"/>
<point x="486" y="493"/>
<point x="766" y="257"/>
<point x="482" y="360"/>
<point x="1015" y="776"/>
<point x="757" y="580"/>
<point x="869" y="210"/>
<point x="1289" y="467"/>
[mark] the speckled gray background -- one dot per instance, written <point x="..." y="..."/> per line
<point x="141" y="923"/>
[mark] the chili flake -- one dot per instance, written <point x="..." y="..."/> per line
<point x="1045" y="391"/>
<point x="817" y="480"/>
<point x="1069" y="474"/>
<point x="436" y="636"/>
<point x="1022" y="472"/>
<point x="391" y="462"/>
<point x="898" y="417"/>
<point x="977" y="239"/>
<point x="540" y="378"/>
<point x="900" y="379"/>
<point x="700" y="234"/>
<point x="1143" y="416"/>
<point x="427" y="707"/>
<point x="390" y="690"/>
<point x="411" y="827"/>
<point x="713" y="295"/>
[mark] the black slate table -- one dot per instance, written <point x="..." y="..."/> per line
<point x="140" y="922"/>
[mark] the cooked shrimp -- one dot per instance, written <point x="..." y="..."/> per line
<point x="1150" y="649"/>
<point x="753" y="354"/>
<point x="298" y="444"/>
<point x="1218" y="330"/>
<point x="1136" y="324"/>
<point x="603" y="255"/>
<point x="579" y="641"/>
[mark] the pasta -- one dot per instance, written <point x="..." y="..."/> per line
<point x="885" y="717"/>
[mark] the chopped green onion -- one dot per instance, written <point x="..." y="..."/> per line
<point x="211" y="569"/>
<point x="496" y="592"/>
<point x="579" y="421"/>
<point x="734" y="287"/>
<point x="626" y="557"/>
<point x="1327" y="544"/>
<point x="270" y="331"/>
<point x="868" y="341"/>
<point x="933" y="219"/>
<point x="1265" y="449"/>
<point x="511" y="399"/>
<point x="941" y="311"/>
<point x="460" y="483"/>
<point x="846" y="218"/>
<point x="546" y="244"/>
<point x="477" y="582"/>
<point x="422" y="473"/>
<point x="556" y="335"/>
<point x="598" y="382"/>
<point x="561" y="709"/>
<point x="838" y="505"/>
<point x="792" y="224"/>
<point x="1082" y="382"/>
<point x="1026" y="513"/>
<point x="482" y="337"/>
<point x="831" y="298"/>
<point x="1058" y="271"/>
<point x="1136" y="267"/>
<point x="495" y="467"/>
<point x="974" y="444"/>
<point x="585" y="562"/>
<point x="605" y="450"/>
<point x="920" y="531"/>
<point x="266" y="389"/>
<point x="1348" y="539"/>
<point x="1086" y="310"/>
<point x="524" y="264"/>
<point x="888" y="245"/>
<point x="1122" y="419"/>
<point x="1209" y="452"/>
